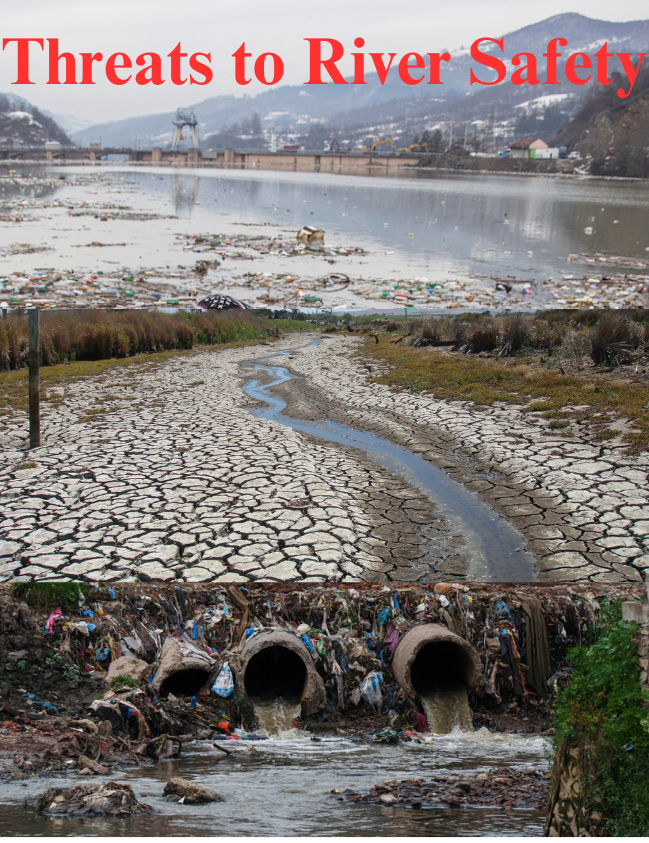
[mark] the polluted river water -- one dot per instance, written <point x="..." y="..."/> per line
<point x="283" y="787"/>
<point x="464" y="233"/>
<point x="495" y="547"/>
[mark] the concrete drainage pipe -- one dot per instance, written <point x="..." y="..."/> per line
<point x="275" y="663"/>
<point x="182" y="669"/>
<point x="430" y="659"/>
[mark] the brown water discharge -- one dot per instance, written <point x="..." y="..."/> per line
<point x="276" y="715"/>
<point x="437" y="668"/>
<point x="447" y="711"/>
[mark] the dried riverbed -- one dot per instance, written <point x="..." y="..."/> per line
<point x="162" y="472"/>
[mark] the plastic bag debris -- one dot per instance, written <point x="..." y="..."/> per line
<point x="371" y="688"/>
<point x="224" y="683"/>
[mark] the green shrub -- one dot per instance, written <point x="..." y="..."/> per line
<point x="48" y="596"/>
<point x="603" y="704"/>
<point x="123" y="683"/>
<point x="72" y="674"/>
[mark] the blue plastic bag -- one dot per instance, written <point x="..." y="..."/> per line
<point x="224" y="684"/>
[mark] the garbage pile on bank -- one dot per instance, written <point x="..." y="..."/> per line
<point x="103" y="677"/>
<point x="147" y="288"/>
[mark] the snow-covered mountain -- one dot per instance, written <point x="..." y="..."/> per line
<point x="383" y="107"/>
<point x="23" y="123"/>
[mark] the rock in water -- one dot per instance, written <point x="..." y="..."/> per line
<point x="190" y="792"/>
<point x="87" y="764"/>
<point x="110" y="799"/>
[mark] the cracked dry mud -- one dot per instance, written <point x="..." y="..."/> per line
<point x="175" y="479"/>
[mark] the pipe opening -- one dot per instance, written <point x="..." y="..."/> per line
<point x="441" y="675"/>
<point x="184" y="683"/>
<point x="441" y="666"/>
<point x="276" y="672"/>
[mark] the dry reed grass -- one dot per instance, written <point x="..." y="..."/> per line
<point x="68" y="336"/>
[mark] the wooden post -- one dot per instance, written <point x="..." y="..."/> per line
<point x="34" y="366"/>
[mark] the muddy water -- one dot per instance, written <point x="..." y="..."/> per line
<point x="494" y="546"/>
<point x="275" y="715"/>
<point x="447" y="711"/>
<point x="282" y="788"/>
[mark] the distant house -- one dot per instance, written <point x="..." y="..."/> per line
<point x="530" y="148"/>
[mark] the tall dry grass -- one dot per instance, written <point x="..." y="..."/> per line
<point x="516" y="335"/>
<point x="611" y="338"/>
<point x="614" y="340"/>
<point x="99" y="335"/>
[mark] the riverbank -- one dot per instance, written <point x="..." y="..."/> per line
<point x="78" y="702"/>
<point x="581" y="504"/>
<point x="57" y="686"/>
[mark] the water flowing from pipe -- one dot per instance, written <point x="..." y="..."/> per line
<point x="276" y="714"/>
<point x="447" y="711"/>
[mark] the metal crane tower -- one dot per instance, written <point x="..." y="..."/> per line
<point x="185" y="118"/>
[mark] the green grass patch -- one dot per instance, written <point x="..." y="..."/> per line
<point x="123" y="683"/>
<point x="487" y="381"/>
<point x="49" y="596"/>
<point x="604" y="704"/>
<point x="22" y="466"/>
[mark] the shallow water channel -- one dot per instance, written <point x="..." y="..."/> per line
<point x="494" y="545"/>
<point x="283" y="788"/>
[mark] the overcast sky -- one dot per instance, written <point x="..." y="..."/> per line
<point x="137" y="26"/>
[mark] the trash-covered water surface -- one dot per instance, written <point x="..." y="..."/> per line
<point x="294" y="785"/>
<point x="154" y="237"/>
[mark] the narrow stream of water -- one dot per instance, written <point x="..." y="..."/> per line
<point x="282" y="787"/>
<point x="494" y="545"/>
